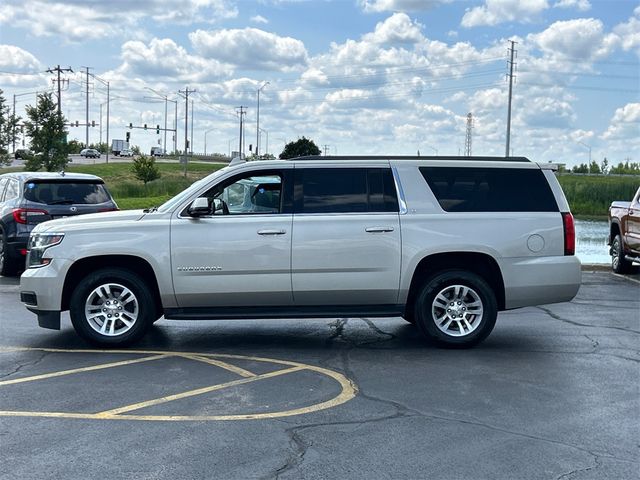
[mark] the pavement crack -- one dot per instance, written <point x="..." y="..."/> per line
<point x="578" y="324"/>
<point x="597" y="465"/>
<point x="20" y="366"/>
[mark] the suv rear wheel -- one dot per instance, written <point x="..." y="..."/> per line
<point x="456" y="308"/>
<point x="112" y="306"/>
<point x="6" y="265"/>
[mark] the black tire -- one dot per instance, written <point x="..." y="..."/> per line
<point x="445" y="306"/>
<point x="7" y="265"/>
<point x="115" y="296"/>
<point x="619" y="264"/>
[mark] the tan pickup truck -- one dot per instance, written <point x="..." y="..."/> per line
<point x="624" y="234"/>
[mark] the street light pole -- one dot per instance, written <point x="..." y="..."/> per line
<point x="15" y="95"/>
<point x="258" y="119"/>
<point x="589" y="147"/>
<point x="266" y="150"/>
<point x="104" y="82"/>
<point x="205" y="140"/>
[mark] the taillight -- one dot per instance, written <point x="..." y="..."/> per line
<point x="569" y="234"/>
<point x="24" y="215"/>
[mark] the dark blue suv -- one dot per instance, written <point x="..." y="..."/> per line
<point x="29" y="198"/>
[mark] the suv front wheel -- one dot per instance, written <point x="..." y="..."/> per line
<point x="112" y="306"/>
<point x="456" y="308"/>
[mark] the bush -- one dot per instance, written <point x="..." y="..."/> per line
<point x="145" y="169"/>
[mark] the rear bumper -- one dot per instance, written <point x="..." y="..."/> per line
<point x="540" y="280"/>
<point x="16" y="248"/>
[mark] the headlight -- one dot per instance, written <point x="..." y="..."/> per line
<point x="38" y="245"/>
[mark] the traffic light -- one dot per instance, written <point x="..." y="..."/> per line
<point x="158" y="129"/>
<point x="77" y="123"/>
<point x="130" y="125"/>
<point x="145" y="126"/>
<point x="93" y="123"/>
<point x="128" y="136"/>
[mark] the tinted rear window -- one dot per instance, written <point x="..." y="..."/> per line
<point x="66" y="193"/>
<point x="345" y="190"/>
<point x="490" y="189"/>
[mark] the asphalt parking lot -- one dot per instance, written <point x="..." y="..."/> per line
<point x="553" y="393"/>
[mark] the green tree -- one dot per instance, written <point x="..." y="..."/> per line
<point x="8" y="131"/>
<point x="74" y="147"/>
<point x="48" y="135"/>
<point x="582" y="168"/>
<point x="594" y="167"/>
<point x="300" y="148"/>
<point x="145" y="169"/>
<point x="604" y="166"/>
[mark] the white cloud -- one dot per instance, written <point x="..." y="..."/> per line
<point x="397" y="29"/>
<point x="494" y="12"/>
<point x="629" y="33"/>
<point x="251" y="48"/>
<point x="81" y="20"/>
<point x="15" y="59"/>
<point x="580" y="5"/>
<point x="377" y="6"/>
<point x="259" y="19"/>
<point x="625" y="124"/>
<point x="581" y="39"/>
<point x="165" y="59"/>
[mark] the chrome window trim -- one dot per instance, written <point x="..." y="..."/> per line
<point x="401" y="198"/>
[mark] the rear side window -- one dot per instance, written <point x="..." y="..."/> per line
<point x="3" y="183"/>
<point x="490" y="189"/>
<point x="345" y="190"/>
<point x="66" y="193"/>
<point x="12" y="190"/>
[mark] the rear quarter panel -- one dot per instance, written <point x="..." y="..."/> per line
<point x="528" y="247"/>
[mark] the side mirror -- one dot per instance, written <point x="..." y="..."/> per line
<point x="200" y="207"/>
<point x="218" y="206"/>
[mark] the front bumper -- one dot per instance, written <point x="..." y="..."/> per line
<point x="41" y="291"/>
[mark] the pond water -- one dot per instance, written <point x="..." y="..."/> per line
<point x="591" y="241"/>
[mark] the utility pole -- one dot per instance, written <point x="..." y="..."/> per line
<point x="191" y="143"/>
<point x="512" y="50"/>
<point x="185" y="94"/>
<point x="467" y="140"/>
<point x="86" y="143"/>
<point x="59" y="70"/>
<point x="325" y="149"/>
<point x="241" y="110"/>
<point x="258" y="118"/>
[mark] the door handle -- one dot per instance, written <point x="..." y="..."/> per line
<point x="378" y="229"/>
<point x="271" y="232"/>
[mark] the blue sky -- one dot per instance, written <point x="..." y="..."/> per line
<point x="360" y="76"/>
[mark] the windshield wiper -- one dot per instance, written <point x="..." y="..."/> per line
<point x="61" y="202"/>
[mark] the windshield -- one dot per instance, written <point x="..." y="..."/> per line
<point x="189" y="191"/>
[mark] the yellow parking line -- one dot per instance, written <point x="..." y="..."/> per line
<point x="192" y="393"/>
<point x="218" y="363"/>
<point x="83" y="369"/>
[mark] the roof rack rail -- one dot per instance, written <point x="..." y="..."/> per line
<point x="412" y="157"/>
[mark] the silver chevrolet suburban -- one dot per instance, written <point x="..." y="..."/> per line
<point x="444" y="242"/>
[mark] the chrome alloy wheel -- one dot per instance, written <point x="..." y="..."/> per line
<point x="111" y="309"/>
<point x="616" y="253"/>
<point x="457" y="310"/>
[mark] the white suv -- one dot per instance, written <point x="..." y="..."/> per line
<point x="444" y="242"/>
